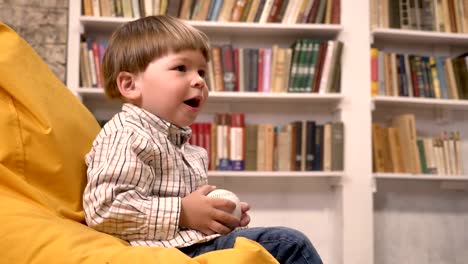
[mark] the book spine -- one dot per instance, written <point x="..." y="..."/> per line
<point x="251" y="141"/>
<point x="237" y="140"/>
<point x="222" y="121"/>
<point x="374" y="72"/>
<point x="310" y="145"/>
<point x="298" y="154"/>
<point x="217" y="69"/>
<point x="229" y="77"/>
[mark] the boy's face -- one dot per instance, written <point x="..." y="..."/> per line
<point x="173" y="87"/>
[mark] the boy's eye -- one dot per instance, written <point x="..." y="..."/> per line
<point x="202" y="73"/>
<point x="181" y="68"/>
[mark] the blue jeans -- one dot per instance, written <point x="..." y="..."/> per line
<point x="287" y="245"/>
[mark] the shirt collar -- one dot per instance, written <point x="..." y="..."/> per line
<point x="177" y="135"/>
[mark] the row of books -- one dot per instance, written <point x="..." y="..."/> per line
<point x="91" y="54"/>
<point x="260" y="11"/>
<point x="307" y="66"/>
<point x="431" y="15"/>
<point x="394" y="74"/>
<point x="397" y="149"/>
<point x="302" y="145"/>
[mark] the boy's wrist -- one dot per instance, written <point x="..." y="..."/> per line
<point x="182" y="220"/>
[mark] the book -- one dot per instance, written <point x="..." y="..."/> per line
<point x="327" y="64"/>
<point x="253" y="10"/>
<point x="85" y="68"/>
<point x="310" y="145"/>
<point x="327" y="146"/>
<point x="226" y="10"/>
<point x="223" y="121"/>
<point x="406" y="124"/>
<point x="298" y="149"/>
<point x="269" y="147"/>
<point x="318" y="151"/>
<point x="284" y="148"/>
<point x="267" y="70"/>
<point x="394" y="144"/>
<point x="237" y="141"/>
<point x="303" y="145"/>
<point x="378" y="148"/>
<point x="185" y="9"/>
<point x="227" y="62"/>
<point x="374" y="71"/>
<point x="251" y="141"/>
<point x="238" y="10"/>
<point x="319" y="66"/>
<point x="217" y="68"/>
<point x="429" y="155"/>
<point x="337" y="146"/>
<point x="261" y="147"/>
<point x="422" y="156"/>
<point x="278" y="70"/>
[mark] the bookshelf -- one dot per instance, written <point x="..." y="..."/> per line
<point x="424" y="206"/>
<point x="418" y="36"/>
<point x="333" y="208"/>
<point x="276" y="174"/>
<point x="431" y="103"/>
<point x="419" y="177"/>
<point x="236" y="29"/>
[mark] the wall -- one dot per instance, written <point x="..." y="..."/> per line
<point x="420" y="222"/>
<point x="43" y="24"/>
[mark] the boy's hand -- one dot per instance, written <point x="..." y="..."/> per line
<point x="245" y="218"/>
<point x="207" y="214"/>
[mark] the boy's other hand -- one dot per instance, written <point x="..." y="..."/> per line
<point x="245" y="218"/>
<point x="207" y="214"/>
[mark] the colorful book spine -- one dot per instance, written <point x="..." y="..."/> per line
<point x="237" y="139"/>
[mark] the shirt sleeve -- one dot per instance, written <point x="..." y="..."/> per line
<point x="118" y="198"/>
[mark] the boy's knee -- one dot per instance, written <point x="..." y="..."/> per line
<point x="295" y="233"/>
<point x="288" y="234"/>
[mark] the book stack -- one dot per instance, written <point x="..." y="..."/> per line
<point x="257" y="11"/>
<point x="302" y="145"/>
<point x="308" y="66"/>
<point x="395" y="74"/>
<point x="430" y="15"/>
<point x="397" y="149"/>
<point x="91" y="53"/>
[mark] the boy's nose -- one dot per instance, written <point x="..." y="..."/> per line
<point x="198" y="81"/>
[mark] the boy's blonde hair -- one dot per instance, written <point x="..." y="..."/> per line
<point x="135" y="44"/>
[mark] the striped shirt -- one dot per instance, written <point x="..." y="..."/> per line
<point x="139" y="168"/>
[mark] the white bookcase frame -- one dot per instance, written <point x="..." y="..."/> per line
<point x="349" y="232"/>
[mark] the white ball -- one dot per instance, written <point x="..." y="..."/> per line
<point x="225" y="194"/>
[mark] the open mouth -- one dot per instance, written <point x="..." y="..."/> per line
<point x="193" y="102"/>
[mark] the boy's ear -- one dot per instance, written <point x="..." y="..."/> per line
<point x="127" y="87"/>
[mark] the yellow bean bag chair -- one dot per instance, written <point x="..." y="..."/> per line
<point x="44" y="134"/>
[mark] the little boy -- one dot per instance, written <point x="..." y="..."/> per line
<point x="146" y="183"/>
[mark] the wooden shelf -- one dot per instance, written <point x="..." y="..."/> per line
<point x="419" y="36"/>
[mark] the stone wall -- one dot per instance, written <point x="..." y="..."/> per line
<point x="44" y="25"/>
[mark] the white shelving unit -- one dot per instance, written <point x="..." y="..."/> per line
<point x="278" y="174"/>
<point x="418" y="36"/>
<point x="410" y="176"/>
<point x="242" y="96"/>
<point x="333" y="208"/>
<point x="397" y="101"/>
<point x="416" y="215"/>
